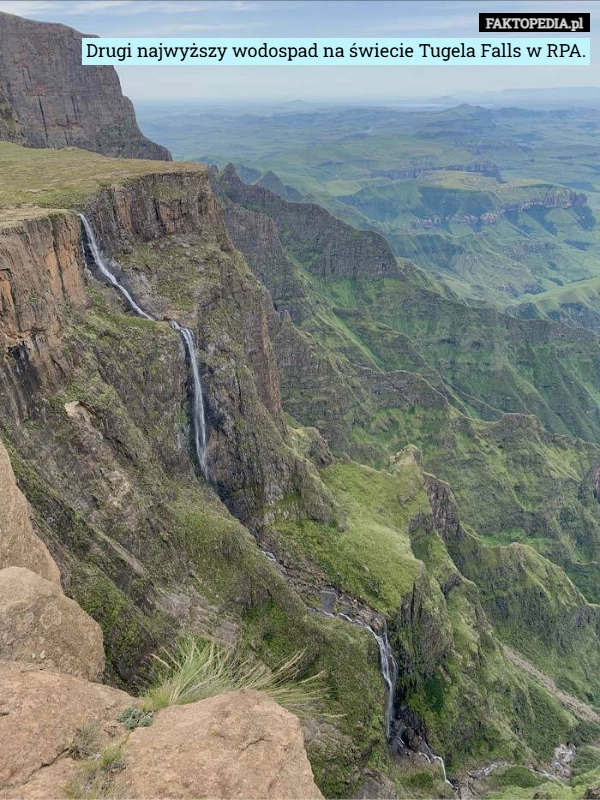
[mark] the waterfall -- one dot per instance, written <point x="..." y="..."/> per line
<point x="389" y="669"/>
<point x="440" y="761"/>
<point x="99" y="261"/>
<point x="198" y="418"/>
<point x="433" y="759"/>
<point x="389" y="673"/>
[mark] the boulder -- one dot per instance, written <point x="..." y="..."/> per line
<point x="236" y="745"/>
<point x="40" y="714"/>
<point x="19" y="546"/>
<point x="38" y="624"/>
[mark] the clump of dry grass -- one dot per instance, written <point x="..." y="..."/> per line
<point x="97" y="779"/>
<point x="86" y="742"/>
<point x="199" y="669"/>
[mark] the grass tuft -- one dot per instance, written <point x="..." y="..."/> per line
<point x="86" y="742"/>
<point x="199" y="669"/>
<point x="97" y="779"/>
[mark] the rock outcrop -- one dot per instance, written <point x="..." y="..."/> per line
<point x="237" y="745"/>
<point x="49" y="99"/>
<point x="38" y="624"/>
<point x="19" y="546"/>
<point x="40" y="714"/>
<point x="331" y="248"/>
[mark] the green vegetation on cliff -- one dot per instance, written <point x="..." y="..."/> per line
<point x="369" y="353"/>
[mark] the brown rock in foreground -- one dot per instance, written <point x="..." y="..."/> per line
<point x="236" y="745"/>
<point x="19" y="546"/>
<point x="40" y="713"/>
<point x="38" y="624"/>
<point x="49" y="99"/>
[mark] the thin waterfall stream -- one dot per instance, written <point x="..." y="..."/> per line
<point x="389" y="672"/>
<point x="198" y="417"/>
<point x="388" y="663"/>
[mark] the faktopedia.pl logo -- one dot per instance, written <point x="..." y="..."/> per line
<point x="533" y="23"/>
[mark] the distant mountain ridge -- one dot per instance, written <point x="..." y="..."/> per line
<point x="49" y="99"/>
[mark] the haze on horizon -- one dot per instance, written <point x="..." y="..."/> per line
<point x="206" y="19"/>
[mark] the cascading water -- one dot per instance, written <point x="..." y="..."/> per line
<point x="389" y="668"/>
<point x="198" y="417"/>
<point x="99" y="261"/>
<point x="389" y="672"/>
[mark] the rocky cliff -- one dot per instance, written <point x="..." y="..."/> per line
<point x="285" y="547"/>
<point x="62" y="734"/>
<point x="49" y="99"/>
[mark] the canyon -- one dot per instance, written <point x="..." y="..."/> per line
<point x="234" y="416"/>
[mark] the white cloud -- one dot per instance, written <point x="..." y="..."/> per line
<point x="29" y="8"/>
<point x="184" y="28"/>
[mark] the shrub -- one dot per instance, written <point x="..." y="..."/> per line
<point x="135" y="718"/>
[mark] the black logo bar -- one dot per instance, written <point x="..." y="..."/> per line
<point x="534" y="23"/>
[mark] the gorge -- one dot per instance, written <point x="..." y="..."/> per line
<point x="237" y="418"/>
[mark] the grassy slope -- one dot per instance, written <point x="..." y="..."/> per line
<point x="138" y="496"/>
<point x="41" y="179"/>
<point x="577" y="304"/>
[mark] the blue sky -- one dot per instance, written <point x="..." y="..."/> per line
<point x="205" y="19"/>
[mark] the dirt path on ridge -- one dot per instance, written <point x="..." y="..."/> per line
<point x="578" y="707"/>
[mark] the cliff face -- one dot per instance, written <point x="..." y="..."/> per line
<point x="251" y="462"/>
<point x="40" y="275"/>
<point x="49" y="99"/>
<point x="104" y="489"/>
<point x="331" y="248"/>
<point x="98" y="430"/>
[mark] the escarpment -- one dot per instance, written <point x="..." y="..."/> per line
<point x="49" y="99"/>
<point x="98" y="427"/>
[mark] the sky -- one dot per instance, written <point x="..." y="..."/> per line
<point x="396" y="19"/>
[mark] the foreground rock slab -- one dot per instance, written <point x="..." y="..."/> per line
<point x="235" y="745"/>
<point x="38" y="624"/>
<point x="40" y="714"/>
<point x="19" y="546"/>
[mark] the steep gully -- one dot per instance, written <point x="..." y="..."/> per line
<point x="388" y="663"/>
<point x="356" y="614"/>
